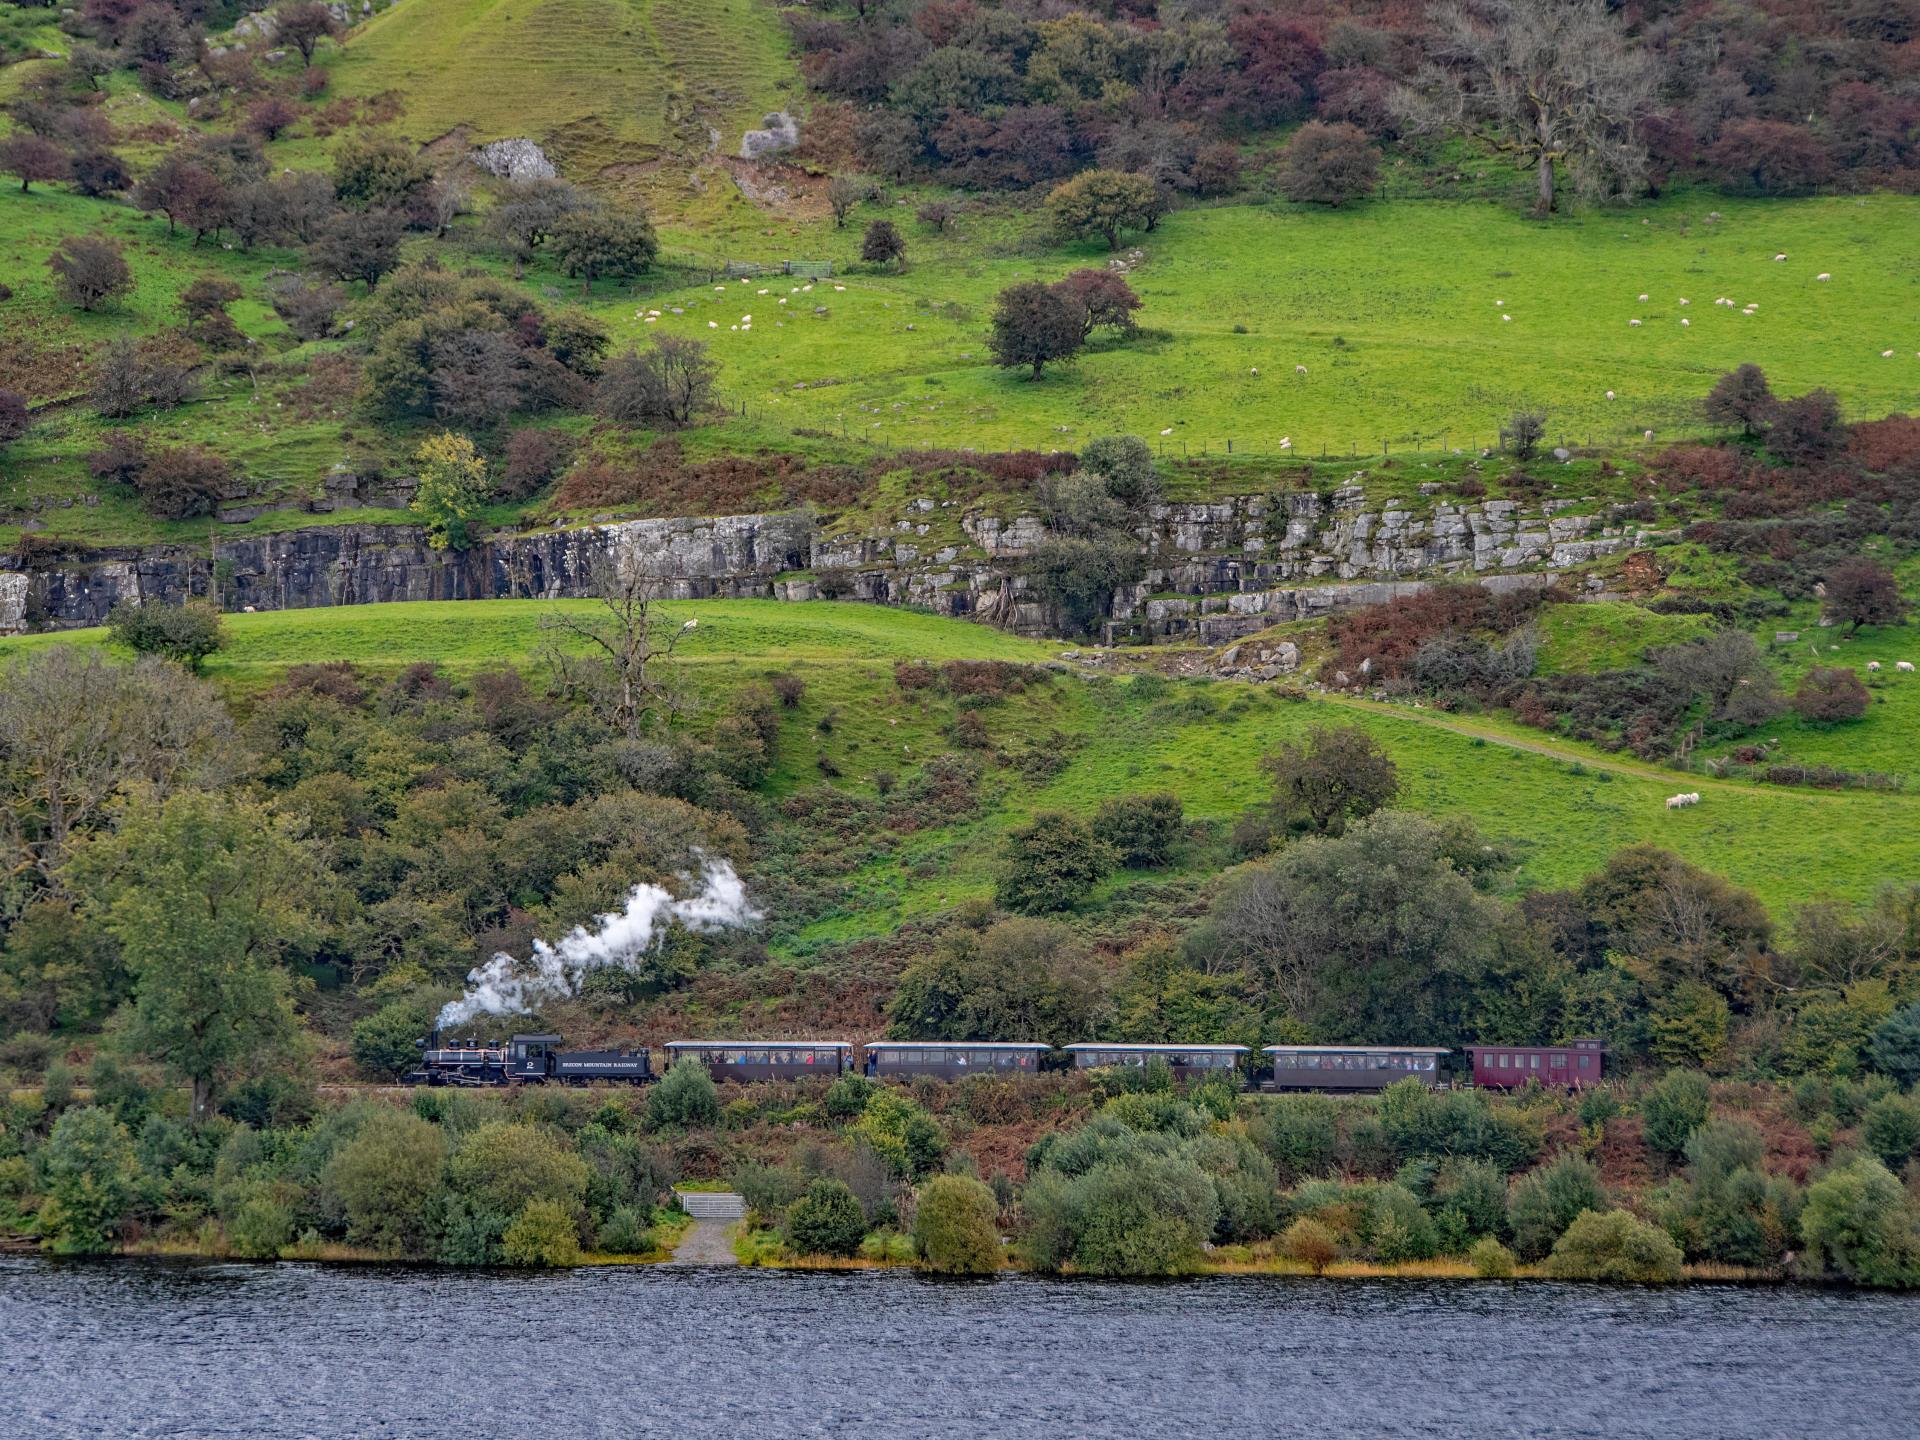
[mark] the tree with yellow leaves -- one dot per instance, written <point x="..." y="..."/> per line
<point x="453" y="487"/>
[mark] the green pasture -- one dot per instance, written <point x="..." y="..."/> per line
<point x="1392" y="308"/>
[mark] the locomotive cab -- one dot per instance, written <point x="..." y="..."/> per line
<point x="530" y="1057"/>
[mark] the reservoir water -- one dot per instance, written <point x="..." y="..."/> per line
<point x="126" y="1348"/>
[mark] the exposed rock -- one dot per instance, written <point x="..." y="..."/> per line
<point x="517" y="159"/>
<point x="781" y="132"/>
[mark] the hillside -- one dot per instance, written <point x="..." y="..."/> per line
<point x="1561" y="806"/>
<point x="607" y="87"/>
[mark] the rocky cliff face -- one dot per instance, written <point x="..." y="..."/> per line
<point x="1213" y="571"/>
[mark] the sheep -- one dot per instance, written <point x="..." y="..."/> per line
<point x="1676" y="802"/>
<point x="1609" y="395"/>
<point x="1781" y="256"/>
<point x="1685" y="301"/>
<point x="1255" y="370"/>
<point x="1685" y="321"/>
<point x="1823" y="275"/>
<point x="1886" y="354"/>
<point x="1643" y="299"/>
<point x="1286" y="442"/>
<point x="1905" y="667"/>
<point x="1167" y="431"/>
<point x="1301" y="371"/>
<point x="1646" y="435"/>
<point x="1633" y="322"/>
<point x="1873" y="667"/>
<point x="1506" y="319"/>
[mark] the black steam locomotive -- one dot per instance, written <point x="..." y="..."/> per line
<point x="525" y="1060"/>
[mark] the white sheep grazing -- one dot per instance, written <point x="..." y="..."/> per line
<point x="1609" y="394"/>
<point x="1633" y="322"/>
<point x="1685" y="321"/>
<point x="1647" y="435"/>
<point x="1685" y="301"/>
<point x="1823" y="275"/>
<point x="1905" y="667"/>
<point x="1301" y="371"/>
<point x="1643" y="298"/>
<point x="1886" y="354"/>
<point x="1781" y="256"/>
<point x="1873" y="667"/>
<point x="1506" y="319"/>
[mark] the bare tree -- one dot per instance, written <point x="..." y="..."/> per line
<point x="618" y="654"/>
<point x="75" y="728"/>
<point x="1548" y="83"/>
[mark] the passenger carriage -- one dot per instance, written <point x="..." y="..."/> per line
<point x="953" y="1060"/>
<point x="750" y="1060"/>
<point x="1187" y="1062"/>
<point x="1352" y="1069"/>
<point x="1559" y="1067"/>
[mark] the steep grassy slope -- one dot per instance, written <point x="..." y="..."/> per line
<point x="598" y="82"/>
<point x="1075" y="740"/>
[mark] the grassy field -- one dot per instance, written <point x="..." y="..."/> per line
<point x="598" y="83"/>
<point x="1091" y="737"/>
<point x="1392" y="308"/>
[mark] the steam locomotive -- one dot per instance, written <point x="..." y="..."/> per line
<point x="524" y="1060"/>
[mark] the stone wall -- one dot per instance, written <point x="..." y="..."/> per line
<point x="1213" y="571"/>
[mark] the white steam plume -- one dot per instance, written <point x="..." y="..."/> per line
<point x="507" y="986"/>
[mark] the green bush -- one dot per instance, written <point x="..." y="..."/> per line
<point x="1890" y="1127"/>
<point x="386" y="1043"/>
<point x="469" y="1235"/>
<point x="1545" y="1202"/>
<point x="685" y="1098"/>
<point x="187" y="633"/>
<point x="826" y="1220"/>
<point x="1860" y="1225"/>
<point x="1142" y="829"/>
<point x="261" y="1228"/>
<point x="1673" y="1110"/>
<point x="1396" y="1227"/>
<point x="1310" y="1243"/>
<point x="902" y="1134"/>
<point x="1051" y="864"/>
<point x="1490" y="1259"/>
<point x="384" y="1178"/>
<point x="847" y="1097"/>
<point x="543" y="1233"/>
<point x="1895" y="1049"/>
<point x="1130" y="1211"/>
<point x="1613" y="1245"/>
<point x="1469" y="1200"/>
<point x="956" y="1228"/>
<point x="501" y="1167"/>
<point x="89" y="1174"/>
<point x="626" y="1232"/>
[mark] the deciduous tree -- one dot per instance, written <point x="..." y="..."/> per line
<point x="1551" y="84"/>
<point x="1033" y="325"/>
<point x="203" y="895"/>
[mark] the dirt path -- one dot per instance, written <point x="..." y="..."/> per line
<point x="1639" y="771"/>
<point x="708" y="1242"/>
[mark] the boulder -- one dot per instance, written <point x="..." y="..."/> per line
<point x="517" y="159"/>
<point x="780" y="132"/>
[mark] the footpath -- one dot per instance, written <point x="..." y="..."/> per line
<point x="710" y="1240"/>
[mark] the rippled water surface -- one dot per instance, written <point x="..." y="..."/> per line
<point x="145" y="1348"/>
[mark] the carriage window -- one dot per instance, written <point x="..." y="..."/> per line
<point x="1533" y="1062"/>
<point x="1586" y="1062"/>
<point x="1559" y="1062"/>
